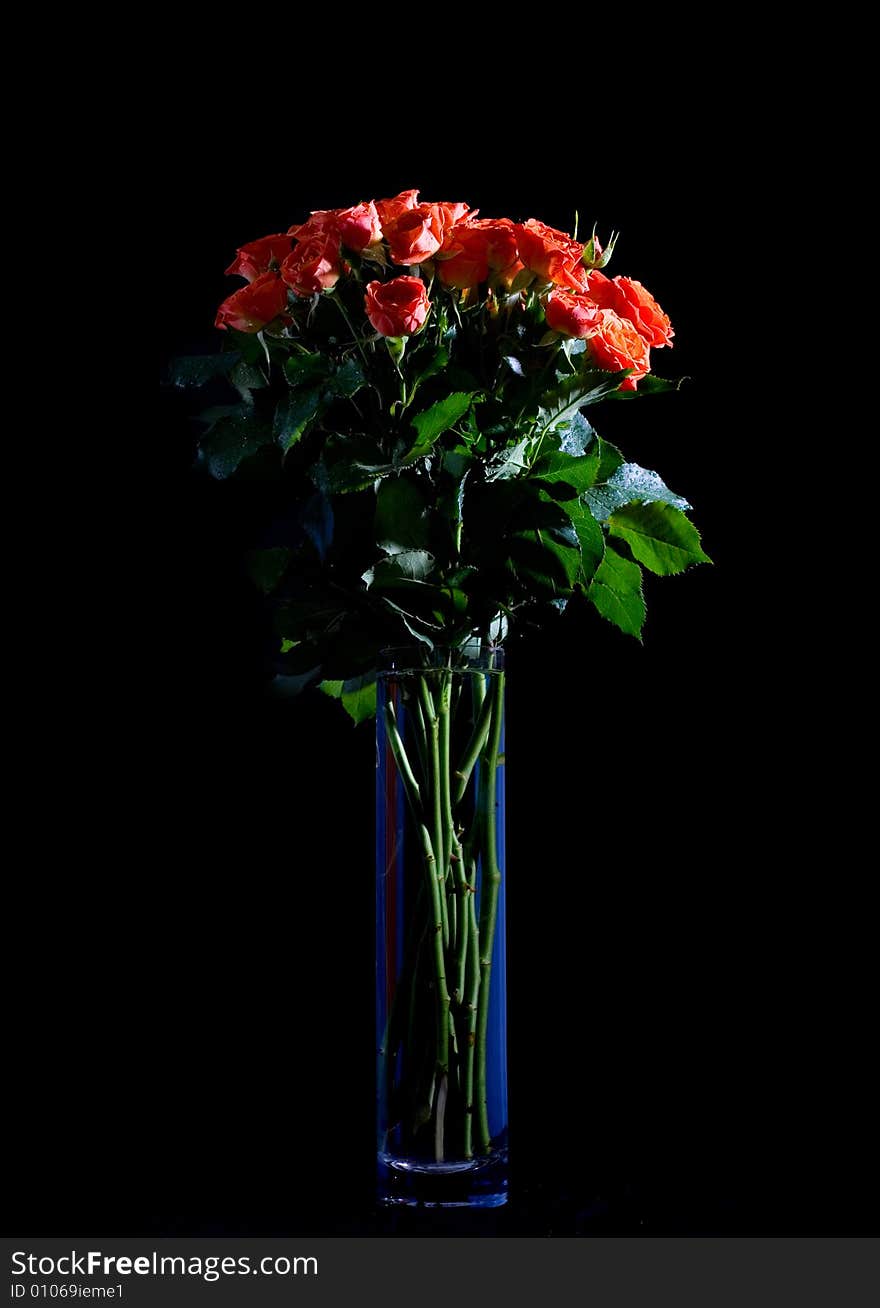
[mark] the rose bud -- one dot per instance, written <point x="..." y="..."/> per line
<point x="249" y="309"/>
<point x="398" y="307"/>
<point x="594" y="255"/>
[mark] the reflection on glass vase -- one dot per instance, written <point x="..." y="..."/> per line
<point x="440" y="929"/>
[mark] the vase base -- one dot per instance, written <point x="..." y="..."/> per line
<point x="473" y="1183"/>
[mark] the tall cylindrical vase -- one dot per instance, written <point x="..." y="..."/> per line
<point x="441" y="1005"/>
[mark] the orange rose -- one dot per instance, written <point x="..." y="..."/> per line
<point x="398" y="307"/>
<point x="553" y="255"/>
<point x="249" y="309"/>
<point x="476" y="247"/>
<point x="416" y="235"/>
<point x="630" y="300"/>
<point x="314" y="265"/>
<point x="501" y="243"/>
<point x="463" y="259"/>
<point x="615" y="344"/>
<point x="254" y="259"/>
<point x="572" y="315"/>
<point x="390" y="210"/>
<point x="450" y="214"/>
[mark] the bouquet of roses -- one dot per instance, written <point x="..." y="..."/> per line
<point x="409" y="380"/>
<point x="406" y="385"/>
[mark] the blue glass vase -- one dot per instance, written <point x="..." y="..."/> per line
<point x="441" y="1005"/>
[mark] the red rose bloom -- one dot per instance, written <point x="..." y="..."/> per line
<point x="320" y="222"/>
<point x="416" y="235"/>
<point x="314" y="265"/>
<point x="253" y="259"/>
<point x="359" y="226"/>
<point x="390" y="210"/>
<point x="630" y="300"/>
<point x="615" y="344"/>
<point x="249" y="309"/>
<point x="553" y="255"/>
<point x="572" y="315"/>
<point x="398" y="307"/>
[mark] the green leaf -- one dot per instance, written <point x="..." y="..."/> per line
<point x="580" y="473"/>
<point x="651" y="385"/>
<point x="247" y="377"/>
<point x="250" y="345"/>
<point x="610" y="459"/>
<point x="357" y="696"/>
<point x="549" y="560"/>
<point x="199" y="369"/>
<point x="577" y="435"/>
<point x="409" y="565"/>
<point x="436" y="364"/>
<point x="233" y="439"/>
<point x="590" y="536"/>
<point x="616" y="591"/>
<point x="562" y="402"/>
<point x="401" y="516"/>
<point x="508" y="463"/>
<point x="306" y="369"/>
<point x="294" y="414"/>
<point x="433" y="422"/>
<point x="267" y="567"/>
<point x="543" y="547"/>
<point x="630" y="484"/>
<point x="349" y="463"/>
<point x="660" y="537"/>
<point x="347" y="379"/>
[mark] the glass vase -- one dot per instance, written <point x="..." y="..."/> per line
<point x="441" y="1006"/>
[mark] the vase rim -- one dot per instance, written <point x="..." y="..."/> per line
<point x="475" y="656"/>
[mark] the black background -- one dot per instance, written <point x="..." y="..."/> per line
<point x="196" y="1050"/>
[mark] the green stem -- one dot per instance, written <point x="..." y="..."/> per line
<point x="489" y="887"/>
<point x="443" y="715"/>
<point x="439" y="955"/>
<point x="357" y="340"/>
<point x="472" y="992"/>
<point x="471" y="754"/>
<point x="433" y="726"/>
<point x="401" y="758"/>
